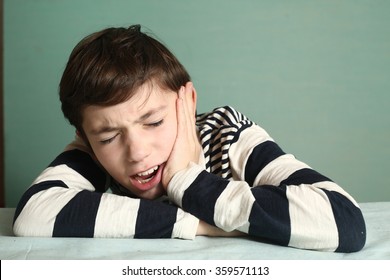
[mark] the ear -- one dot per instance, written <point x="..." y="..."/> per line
<point x="82" y="136"/>
<point x="78" y="133"/>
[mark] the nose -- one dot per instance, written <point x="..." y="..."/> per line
<point x="137" y="149"/>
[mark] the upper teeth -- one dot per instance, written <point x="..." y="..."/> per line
<point x="147" y="172"/>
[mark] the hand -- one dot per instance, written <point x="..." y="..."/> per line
<point x="187" y="147"/>
<point x="209" y="230"/>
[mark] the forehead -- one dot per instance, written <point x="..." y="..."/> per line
<point x="148" y="99"/>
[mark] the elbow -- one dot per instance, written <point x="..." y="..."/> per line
<point x="352" y="235"/>
<point x="30" y="226"/>
<point x="349" y="221"/>
<point x="20" y="229"/>
<point x="23" y="227"/>
<point x="351" y="229"/>
<point x="29" y="223"/>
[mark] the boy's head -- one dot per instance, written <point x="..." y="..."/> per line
<point x="107" y="67"/>
<point x="119" y="90"/>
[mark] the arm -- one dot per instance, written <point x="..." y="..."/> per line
<point x="68" y="200"/>
<point x="269" y="194"/>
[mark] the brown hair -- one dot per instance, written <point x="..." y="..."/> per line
<point x="107" y="67"/>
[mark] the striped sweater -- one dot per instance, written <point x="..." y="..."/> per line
<point x="243" y="181"/>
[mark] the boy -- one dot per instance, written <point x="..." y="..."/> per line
<point x="133" y="107"/>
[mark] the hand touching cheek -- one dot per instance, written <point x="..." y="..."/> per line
<point x="186" y="148"/>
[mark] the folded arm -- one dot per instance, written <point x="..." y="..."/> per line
<point x="68" y="200"/>
<point x="271" y="195"/>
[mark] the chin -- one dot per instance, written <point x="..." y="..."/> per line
<point x="153" y="194"/>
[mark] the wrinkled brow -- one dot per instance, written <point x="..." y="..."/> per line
<point x="142" y="118"/>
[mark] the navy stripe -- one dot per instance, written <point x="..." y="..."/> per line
<point x="77" y="218"/>
<point x="33" y="190"/>
<point x="216" y="160"/>
<point x="261" y="155"/>
<point x="200" y="118"/>
<point x="270" y="217"/>
<point x="231" y="133"/>
<point x="223" y="117"/>
<point x="217" y="170"/>
<point x="82" y="163"/>
<point x="203" y="136"/>
<point x="214" y="153"/>
<point x="213" y="122"/>
<point x="225" y="161"/>
<point x="237" y="117"/>
<point x="305" y="176"/>
<point x="155" y="219"/>
<point x="200" y="198"/>
<point x="350" y="223"/>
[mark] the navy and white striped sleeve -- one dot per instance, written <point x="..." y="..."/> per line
<point x="273" y="196"/>
<point x="68" y="199"/>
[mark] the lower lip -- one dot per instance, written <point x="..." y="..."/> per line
<point x="151" y="184"/>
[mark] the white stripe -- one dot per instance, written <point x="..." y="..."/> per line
<point x="312" y="222"/>
<point x="278" y="170"/>
<point x="233" y="206"/>
<point x="67" y="175"/>
<point x="186" y="225"/>
<point x="181" y="181"/>
<point x="240" y="151"/>
<point x="116" y="214"/>
<point x="217" y="157"/>
<point x="244" y="228"/>
<point x="228" y="114"/>
<point x="38" y="215"/>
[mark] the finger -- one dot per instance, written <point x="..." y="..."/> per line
<point x="181" y="119"/>
<point x="189" y="109"/>
<point x="189" y="106"/>
<point x="186" y="124"/>
<point x="189" y="88"/>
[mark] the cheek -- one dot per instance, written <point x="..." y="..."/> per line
<point x="107" y="158"/>
<point x="167" y="139"/>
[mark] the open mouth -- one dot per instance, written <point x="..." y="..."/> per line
<point x="146" y="176"/>
<point x="147" y="184"/>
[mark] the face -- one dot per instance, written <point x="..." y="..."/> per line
<point x="134" y="139"/>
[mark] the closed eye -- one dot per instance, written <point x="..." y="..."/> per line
<point x="156" y="124"/>
<point x="109" y="140"/>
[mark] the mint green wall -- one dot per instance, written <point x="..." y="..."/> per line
<point x="315" y="74"/>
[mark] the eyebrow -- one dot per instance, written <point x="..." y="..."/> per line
<point x="148" y="114"/>
<point x="151" y="112"/>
